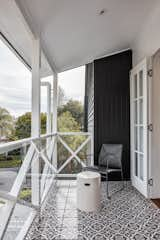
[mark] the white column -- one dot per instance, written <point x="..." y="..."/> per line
<point x="46" y="169"/>
<point x="55" y="102"/>
<point x="54" y="118"/>
<point x="48" y="123"/>
<point x="35" y="124"/>
<point x="49" y="109"/>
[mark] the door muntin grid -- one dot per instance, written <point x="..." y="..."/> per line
<point x="138" y="103"/>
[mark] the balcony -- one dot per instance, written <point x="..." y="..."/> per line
<point x="117" y="42"/>
<point x="127" y="216"/>
<point x="56" y="159"/>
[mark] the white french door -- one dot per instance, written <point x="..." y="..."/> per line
<point x="139" y="152"/>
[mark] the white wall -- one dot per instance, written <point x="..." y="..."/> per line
<point x="148" y="40"/>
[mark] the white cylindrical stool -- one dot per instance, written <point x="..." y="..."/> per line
<point x="88" y="191"/>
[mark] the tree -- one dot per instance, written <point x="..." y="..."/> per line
<point x="76" y="110"/>
<point x="6" y="123"/>
<point x="23" y="125"/>
<point x="43" y="123"/>
<point x="66" y="123"/>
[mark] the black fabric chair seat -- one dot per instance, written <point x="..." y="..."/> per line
<point x="109" y="161"/>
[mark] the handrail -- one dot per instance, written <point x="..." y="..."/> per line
<point x="15" y="190"/>
<point x="6" y="147"/>
<point x="8" y="196"/>
<point x="33" y="154"/>
<point x="73" y="133"/>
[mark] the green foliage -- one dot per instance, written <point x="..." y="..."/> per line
<point x="67" y="123"/>
<point x="70" y="119"/>
<point x="10" y="163"/>
<point x="25" y="194"/>
<point x="76" y="110"/>
<point x="43" y="123"/>
<point x="23" y="125"/>
<point x="6" y="123"/>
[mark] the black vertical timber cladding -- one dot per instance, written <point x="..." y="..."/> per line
<point x="112" y="104"/>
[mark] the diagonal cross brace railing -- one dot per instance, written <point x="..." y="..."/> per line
<point x="34" y="154"/>
<point x="44" y="157"/>
<point x="10" y="204"/>
<point x="73" y="153"/>
<point x="11" y="198"/>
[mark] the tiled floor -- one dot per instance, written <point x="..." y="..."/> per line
<point x="17" y="221"/>
<point x="126" y="216"/>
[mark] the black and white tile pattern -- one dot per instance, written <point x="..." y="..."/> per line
<point x="127" y="216"/>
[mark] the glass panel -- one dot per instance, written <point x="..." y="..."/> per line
<point x="135" y="86"/>
<point x="136" y="138"/>
<point x="141" y="139"/>
<point x="73" y="167"/>
<point x="136" y="164"/>
<point x="141" y="83"/>
<point x="141" y="166"/>
<point x="135" y="113"/>
<point x="141" y="111"/>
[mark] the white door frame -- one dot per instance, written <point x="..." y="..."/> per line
<point x="140" y="177"/>
<point x="154" y="135"/>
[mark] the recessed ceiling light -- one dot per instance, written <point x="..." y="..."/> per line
<point x="102" y="12"/>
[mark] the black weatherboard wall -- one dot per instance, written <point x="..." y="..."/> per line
<point x="112" y="104"/>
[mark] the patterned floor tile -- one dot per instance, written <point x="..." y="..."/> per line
<point x="127" y="216"/>
<point x="71" y="222"/>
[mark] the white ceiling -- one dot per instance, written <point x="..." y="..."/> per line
<point x="73" y="33"/>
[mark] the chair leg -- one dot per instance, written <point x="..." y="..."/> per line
<point x="107" y="187"/>
<point x="122" y="178"/>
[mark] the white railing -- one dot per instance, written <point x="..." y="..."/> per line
<point x="50" y="170"/>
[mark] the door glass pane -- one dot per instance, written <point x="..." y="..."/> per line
<point x="136" y="138"/>
<point x="141" y="111"/>
<point x="135" y="113"/>
<point x="136" y="164"/>
<point x="141" y="139"/>
<point x="139" y="123"/>
<point x="135" y="86"/>
<point x="141" y="166"/>
<point x="141" y="83"/>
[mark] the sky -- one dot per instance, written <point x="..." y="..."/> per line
<point x="15" y="84"/>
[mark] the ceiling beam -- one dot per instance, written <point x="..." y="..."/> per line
<point x="34" y="32"/>
<point x="14" y="50"/>
<point x="48" y="57"/>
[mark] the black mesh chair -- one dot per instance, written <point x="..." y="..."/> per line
<point x="109" y="161"/>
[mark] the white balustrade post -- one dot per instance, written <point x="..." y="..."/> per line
<point x="55" y="102"/>
<point x="49" y="109"/>
<point x="48" y="122"/>
<point x="49" y="126"/>
<point x="35" y="124"/>
<point x="54" y="119"/>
